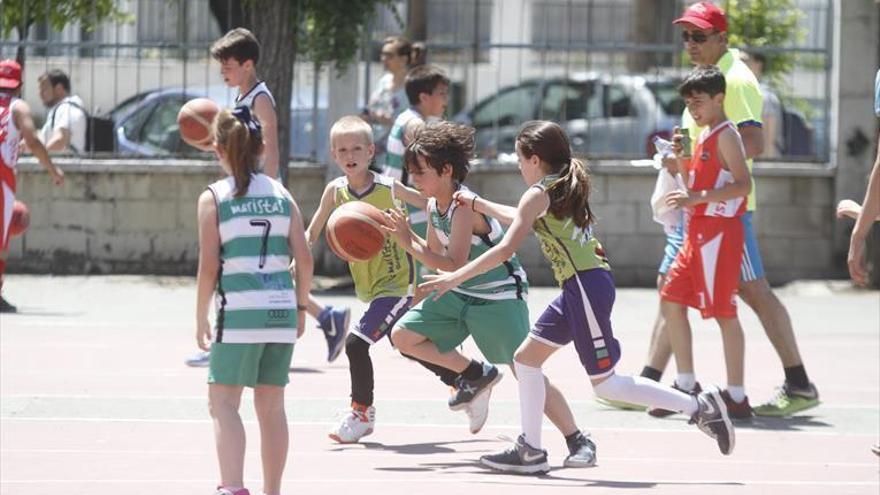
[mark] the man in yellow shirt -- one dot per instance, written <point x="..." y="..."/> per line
<point x="704" y="32"/>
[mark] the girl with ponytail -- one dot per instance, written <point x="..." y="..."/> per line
<point x="249" y="228"/>
<point x="556" y="207"/>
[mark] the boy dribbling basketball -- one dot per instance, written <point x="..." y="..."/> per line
<point x="384" y="281"/>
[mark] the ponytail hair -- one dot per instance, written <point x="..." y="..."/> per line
<point x="570" y="194"/>
<point x="240" y="136"/>
<point x="414" y="52"/>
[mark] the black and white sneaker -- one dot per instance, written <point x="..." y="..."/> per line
<point x="712" y="418"/>
<point x="466" y="390"/>
<point x="582" y="453"/>
<point x="522" y="458"/>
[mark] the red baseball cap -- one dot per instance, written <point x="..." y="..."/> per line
<point x="704" y="15"/>
<point x="10" y="74"/>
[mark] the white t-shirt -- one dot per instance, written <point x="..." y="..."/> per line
<point x="66" y="114"/>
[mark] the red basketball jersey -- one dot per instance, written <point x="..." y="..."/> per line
<point x="9" y="141"/>
<point x="706" y="173"/>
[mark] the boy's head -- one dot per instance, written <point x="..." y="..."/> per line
<point x="427" y="88"/>
<point x="703" y="93"/>
<point x="10" y="76"/>
<point x="238" y="52"/>
<point x="351" y="144"/>
<point x="439" y="150"/>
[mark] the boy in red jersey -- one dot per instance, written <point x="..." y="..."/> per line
<point x="705" y="274"/>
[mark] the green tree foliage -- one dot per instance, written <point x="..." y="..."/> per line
<point x="766" y="24"/>
<point x="22" y="14"/>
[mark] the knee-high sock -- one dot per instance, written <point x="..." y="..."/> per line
<point x="532" y="395"/>
<point x="639" y="390"/>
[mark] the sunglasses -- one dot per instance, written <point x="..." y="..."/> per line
<point x="698" y="38"/>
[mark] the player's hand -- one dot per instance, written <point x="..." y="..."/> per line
<point x="58" y="177"/>
<point x="439" y="284"/>
<point x="855" y="260"/>
<point x="671" y="165"/>
<point x="848" y="208"/>
<point x="464" y="199"/>
<point x="396" y="223"/>
<point x="300" y="323"/>
<point x="678" y="199"/>
<point x="203" y="335"/>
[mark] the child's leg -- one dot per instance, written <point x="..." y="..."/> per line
<point x="641" y="390"/>
<point x="274" y="437"/>
<point x="223" y="401"/>
<point x="537" y="396"/>
<point x="734" y="351"/>
<point x="417" y="345"/>
<point x="679" y="333"/>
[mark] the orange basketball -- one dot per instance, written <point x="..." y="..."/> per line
<point x="21" y="218"/>
<point x="354" y="232"/>
<point x="194" y="120"/>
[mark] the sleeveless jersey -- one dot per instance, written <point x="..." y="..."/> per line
<point x="394" y="166"/>
<point x="706" y="173"/>
<point x="505" y="281"/>
<point x="247" y="99"/>
<point x="10" y="138"/>
<point x="568" y="248"/>
<point x="390" y="273"/>
<point x="255" y="300"/>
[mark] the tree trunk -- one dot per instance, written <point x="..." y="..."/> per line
<point x="652" y="24"/>
<point x="274" y="24"/>
<point x="417" y="20"/>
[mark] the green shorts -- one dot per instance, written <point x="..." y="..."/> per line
<point x="250" y="365"/>
<point x="498" y="327"/>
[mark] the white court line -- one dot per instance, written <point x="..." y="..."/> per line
<point x="444" y="480"/>
<point x="372" y="453"/>
<point x="514" y="427"/>
<point x="294" y="398"/>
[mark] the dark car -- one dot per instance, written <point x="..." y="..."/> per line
<point x="603" y="114"/>
<point x="146" y="124"/>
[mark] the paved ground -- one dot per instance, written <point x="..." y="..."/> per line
<point x="94" y="398"/>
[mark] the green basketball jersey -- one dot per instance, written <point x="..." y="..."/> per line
<point x="255" y="297"/>
<point x="569" y="248"/>
<point x="390" y="273"/>
<point x="505" y="281"/>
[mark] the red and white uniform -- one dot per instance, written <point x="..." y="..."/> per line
<point x="705" y="274"/>
<point x="10" y="139"/>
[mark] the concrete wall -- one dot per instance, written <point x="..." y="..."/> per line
<point x="120" y="217"/>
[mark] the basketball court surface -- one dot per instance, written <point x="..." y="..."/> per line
<point x="95" y="399"/>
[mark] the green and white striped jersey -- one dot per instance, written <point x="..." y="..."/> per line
<point x="505" y="281"/>
<point x="255" y="297"/>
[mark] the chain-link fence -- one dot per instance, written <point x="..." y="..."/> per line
<point x="607" y="69"/>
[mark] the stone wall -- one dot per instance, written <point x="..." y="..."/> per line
<point x="117" y="216"/>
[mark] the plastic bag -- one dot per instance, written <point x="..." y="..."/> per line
<point x="670" y="218"/>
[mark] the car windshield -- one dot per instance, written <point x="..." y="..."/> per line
<point x="666" y="93"/>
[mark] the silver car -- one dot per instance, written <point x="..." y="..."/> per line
<point x="604" y="115"/>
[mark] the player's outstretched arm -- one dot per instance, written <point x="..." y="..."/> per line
<point x="21" y="115"/>
<point x="855" y="259"/>
<point x="503" y="213"/>
<point x="410" y="195"/>
<point x="533" y="203"/>
<point x="319" y="219"/>
<point x="209" y="266"/>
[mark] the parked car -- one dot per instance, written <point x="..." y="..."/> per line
<point x="146" y="124"/>
<point x="603" y="114"/>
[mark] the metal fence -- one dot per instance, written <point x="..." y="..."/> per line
<point x="604" y="68"/>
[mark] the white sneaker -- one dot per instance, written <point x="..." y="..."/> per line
<point x="356" y="425"/>
<point x="478" y="411"/>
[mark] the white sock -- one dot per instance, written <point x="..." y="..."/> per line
<point x="640" y="390"/>
<point x="532" y="395"/>
<point x="738" y="394"/>
<point x="686" y="381"/>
